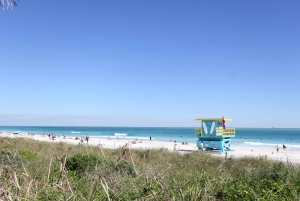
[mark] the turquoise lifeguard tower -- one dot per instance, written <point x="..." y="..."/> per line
<point x="213" y="135"/>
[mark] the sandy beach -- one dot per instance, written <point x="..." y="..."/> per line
<point x="114" y="143"/>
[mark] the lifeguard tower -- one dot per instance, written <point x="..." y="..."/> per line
<point x="213" y="135"/>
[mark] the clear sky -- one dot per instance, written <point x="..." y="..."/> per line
<point x="150" y="63"/>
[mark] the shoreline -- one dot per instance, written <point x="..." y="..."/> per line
<point x="286" y="155"/>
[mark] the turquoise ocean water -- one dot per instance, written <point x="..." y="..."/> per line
<point x="248" y="137"/>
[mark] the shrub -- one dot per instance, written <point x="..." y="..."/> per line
<point x="26" y="154"/>
<point x="126" y="168"/>
<point x="7" y="157"/>
<point x="83" y="162"/>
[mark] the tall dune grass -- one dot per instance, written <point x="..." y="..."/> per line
<point x="32" y="170"/>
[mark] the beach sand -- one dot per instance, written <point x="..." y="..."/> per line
<point x="114" y="143"/>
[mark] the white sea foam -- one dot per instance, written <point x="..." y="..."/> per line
<point x="121" y="137"/>
<point x="120" y="134"/>
<point x="102" y="136"/>
<point x="139" y="138"/>
<point x="295" y="146"/>
<point x="260" y="144"/>
<point x="75" y="132"/>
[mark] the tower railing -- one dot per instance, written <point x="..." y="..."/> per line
<point x="229" y="132"/>
<point x="198" y="131"/>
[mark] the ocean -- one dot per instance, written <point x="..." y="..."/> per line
<point x="247" y="137"/>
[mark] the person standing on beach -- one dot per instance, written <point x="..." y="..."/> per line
<point x="150" y="138"/>
<point x="87" y="139"/>
<point x="81" y="140"/>
<point x="201" y="145"/>
<point x="283" y="146"/>
<point x="277" y="148"/>
<point x="223" y="122"/>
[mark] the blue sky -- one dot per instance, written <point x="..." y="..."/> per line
<point x="150" y="63"/>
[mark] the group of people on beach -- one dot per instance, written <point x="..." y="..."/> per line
<point x="30" y="134"/>
<point x="283" y="147"/>
<point x="52" y="136"/>
<point x="178" y="147"/>
<point x="137" y="141"/>
<point x="83" y="138"/>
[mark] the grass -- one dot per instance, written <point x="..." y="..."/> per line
<point x="32" y="170"/>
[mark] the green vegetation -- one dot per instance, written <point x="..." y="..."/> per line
<point x="31" y="170"/>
